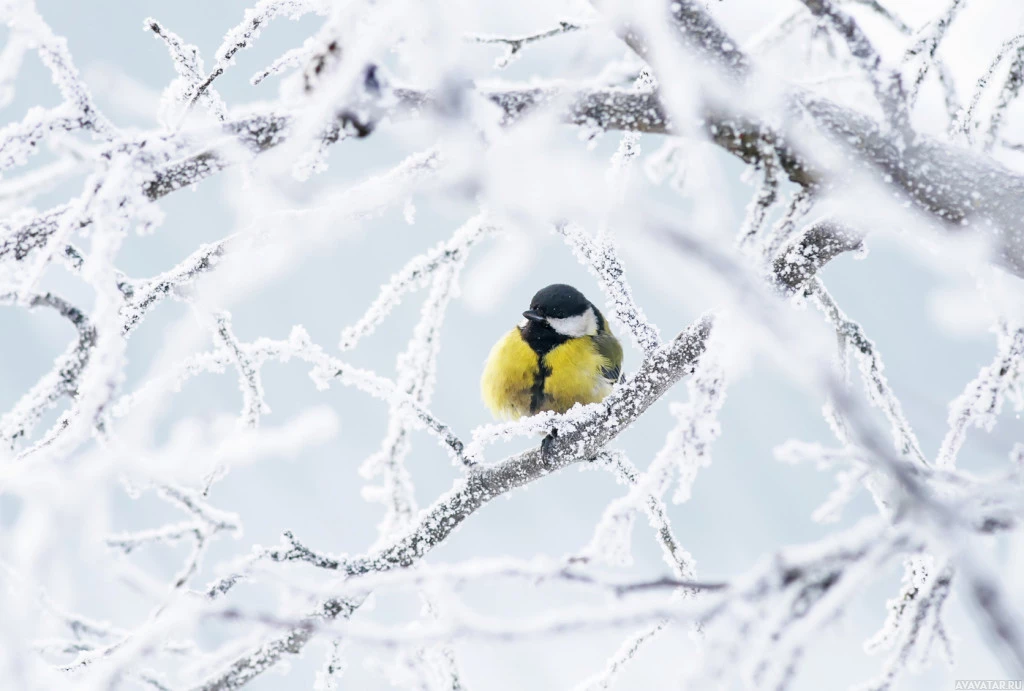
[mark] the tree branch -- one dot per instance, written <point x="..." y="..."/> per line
<point x="820" y="243"/>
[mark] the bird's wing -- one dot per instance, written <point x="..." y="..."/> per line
<point x="611" y="350"/>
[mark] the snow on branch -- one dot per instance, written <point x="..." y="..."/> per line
<point x="887" y="83"/>
<point x="490" y="146"/>
<point x="914" y="625"/>
<point x="581" y="436"/>
<point x="514" y="45"/>
<point x="53" y="51"/>
<point x="763" y="200"/>
<point x="242" y="36"/>
<point x="818" y="244"/>
<point x="771" y="615"/>
<point x="984" y="397"/>
<point x="600" y="256"/>
<point x="414" y="275"/>
<point x="944" y="521"/>
<point x="594" y="427"/>
<point x="1009" y="93"/>
<point x="249" y="380"/>
<point x="189" y="66"/>
<point x="876" y="385"/>
<point x="677" y="558"/>
<point x="776" y="607"/>
<point x="926" y="45"/>
<point x="61" y="381"/>
<point x="967" y="124"/>
<point x="930" y="172"/>
<point x="325" y="369"/>
<point x="417" y="370"/>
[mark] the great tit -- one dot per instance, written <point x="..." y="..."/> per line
<point x="560" y="354"/>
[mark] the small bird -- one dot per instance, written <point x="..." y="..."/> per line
<point x="560" y="354"/>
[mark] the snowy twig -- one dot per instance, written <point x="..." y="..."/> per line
<point x="601" y="258"/>
<point x="241" y="37"/>
<point x="927" y="46"/>
<point x="782" y="231"/>
<point x="1011" y="88"/>
<point x="764" y="198"/>
<point x="887" y="84"/>
<point x="984" y="396"/>
<point x="966" y="125"/>
<point x="189" y="67"/>
<point x="414" y="275"/>
<point x="61" y="381"/>
<point x="463" y="574"/>
<point x="914" y="621"/>
<point x="875" y="383"/>
<point x="818" y="244"/>
<point x="325" y="369"/>
<point x="514" y="45"/>
<point x="885" y="13"/>
<point x="249" y="379"/>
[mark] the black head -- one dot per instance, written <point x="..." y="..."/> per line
<point x="557" y="301"/>
<point x="558" y="313"/>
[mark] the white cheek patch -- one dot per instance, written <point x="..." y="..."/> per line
<point x="581" y="325"/>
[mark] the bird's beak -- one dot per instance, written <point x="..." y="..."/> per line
<point x="533" y="315"/>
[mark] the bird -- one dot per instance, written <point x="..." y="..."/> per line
<point x="560" y="354"/>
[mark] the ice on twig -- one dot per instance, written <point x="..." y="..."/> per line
<point x="413" y="276"/>
<point x="189" y="67"/>
<point x="984" y="397"/>
<point x="600" y="256"/>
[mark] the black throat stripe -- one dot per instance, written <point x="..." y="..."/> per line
<point x="537" y="390"/>
<point x="542" y="339"/>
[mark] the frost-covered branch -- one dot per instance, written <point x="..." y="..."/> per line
<point x="249" y="379"/>
<point x="875" y="383"/>
<point x="914" y="625"/>
<point x="887" y="83"/>
<point x="1008" y="94"/>
<point x="590" y="430"/>
<point x="242" y="36"/>
<point x="514" y="45"/>
<point x="189" y="67"/>
<point x="325" y="370"/>
<point x="537" y="570"/>
<point x="819" y="243"/>
<point x="926" y="45"/>
<point x="601" y="258"/>
<point x="935" y="175"/>
<point x="414" y="275"/>
<point x="492" y="152"/>
<point x="763" y="200"/>
<point x="417" y="369"/>
<point x="62" y="380"/>
<point x="967" y="124"/>
<point x="983" y="398"/>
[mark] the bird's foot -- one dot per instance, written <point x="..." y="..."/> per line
<point x="546" y="451"/>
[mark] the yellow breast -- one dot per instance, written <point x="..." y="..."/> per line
<point x="509" y="376"/>
<point x="516" y="383"/>
<point x="574" y="375"/>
